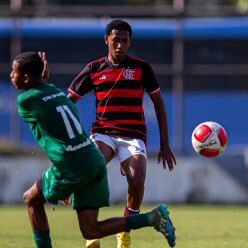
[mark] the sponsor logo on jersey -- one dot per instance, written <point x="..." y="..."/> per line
<point x="46" y="98"/>
<point x="71" y="148"/>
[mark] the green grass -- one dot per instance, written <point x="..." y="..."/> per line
<point x="198" y="226"/>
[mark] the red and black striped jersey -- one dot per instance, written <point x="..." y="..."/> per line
<point x="119" y="95"/>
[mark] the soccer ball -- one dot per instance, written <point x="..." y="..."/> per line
<point x="209" y="139"/>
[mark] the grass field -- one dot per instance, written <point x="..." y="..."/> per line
<point x="198" y="226"/>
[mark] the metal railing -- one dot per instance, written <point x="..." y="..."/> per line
<point x="179" y="8"/>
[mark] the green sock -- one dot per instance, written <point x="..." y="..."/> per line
<point x="42" y="239"/>
<point x="136" y="221"/>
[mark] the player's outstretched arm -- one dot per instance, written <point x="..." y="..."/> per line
<point x="45" y="73"/>
<point x="165" y="154"/>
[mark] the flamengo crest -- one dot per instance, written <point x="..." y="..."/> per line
<point x="129" y="74"/>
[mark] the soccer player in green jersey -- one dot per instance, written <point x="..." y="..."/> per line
<point x="78" y="167"/>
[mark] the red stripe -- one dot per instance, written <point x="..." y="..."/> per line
<point x="154" y="92"/>
<point x="135" y="58"/>
<point x="95" y="61"/>
<point x="74" y="94"/>
<point x="119" y="109"/>
<point x="120" y="93"/>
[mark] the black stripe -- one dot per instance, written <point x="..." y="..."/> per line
<point x="119" y="133"/>
<point x="120" y="101"/>
<point x="128" y="84"/>
<point x="120" y="116"/>
<point x="133" y="127"/>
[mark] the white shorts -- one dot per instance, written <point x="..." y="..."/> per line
<point x="122" y="147"/>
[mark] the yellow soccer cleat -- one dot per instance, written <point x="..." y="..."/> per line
<point x="123" y="239"/>
<point x="94" y="243"/>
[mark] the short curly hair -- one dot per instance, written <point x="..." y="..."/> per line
<point x="30" y="63"/>
<point x="118" y="25"/>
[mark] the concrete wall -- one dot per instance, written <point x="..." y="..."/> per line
<point x="194" y="180"/>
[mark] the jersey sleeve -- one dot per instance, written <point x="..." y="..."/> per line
<point x="26" y="109"/>
<point x="82" y="84"/>
<point x="149" y="80"/>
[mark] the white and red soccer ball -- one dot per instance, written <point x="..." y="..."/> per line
<point x="209" y="139"/>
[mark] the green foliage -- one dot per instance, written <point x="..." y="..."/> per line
<point x="197" y="226"/>
<point x="242" y="5"/>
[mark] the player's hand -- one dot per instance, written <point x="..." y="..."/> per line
<point x="45" y="73"/>
<point x="167" y="157"/>
<point x="67" y="201"/>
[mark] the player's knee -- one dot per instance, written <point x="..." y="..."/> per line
<point x="30" y="199"/>
<point x="87" y="236"/>
<point x="27" y="199"/>
<point x="90" y="234"/>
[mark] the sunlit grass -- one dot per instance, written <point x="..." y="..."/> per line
<point x="197" y="226"/>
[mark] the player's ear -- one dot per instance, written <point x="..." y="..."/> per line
<point x="26" y="78"/>
<point x="106" y="39"/>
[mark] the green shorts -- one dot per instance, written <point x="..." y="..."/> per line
<point x="87" y="190"/>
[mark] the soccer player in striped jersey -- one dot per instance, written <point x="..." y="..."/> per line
<point x="119" y="81"/>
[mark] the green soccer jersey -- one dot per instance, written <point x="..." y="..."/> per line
<point x="54" y="123"/>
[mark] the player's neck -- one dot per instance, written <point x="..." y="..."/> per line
<point x="115" y="62"/>
<point x="115" y="65"/>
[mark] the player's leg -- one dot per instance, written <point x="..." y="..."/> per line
<point x="34" y="202"/>
<point x="106" y="150"/>
<point x="106" y="147"/>
<point x="132" y="155"/>
<point x="135" y="171"/>
<point x="96" y="195"/>
<point x="91" y="228"/>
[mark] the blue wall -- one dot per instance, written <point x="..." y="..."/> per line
<point x="228" y="109"/>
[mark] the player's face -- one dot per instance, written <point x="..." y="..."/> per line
<point x="118" y="43"/>
<point x="17" y="78"/>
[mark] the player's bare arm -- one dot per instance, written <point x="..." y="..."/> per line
<point x="165" y="154"/>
